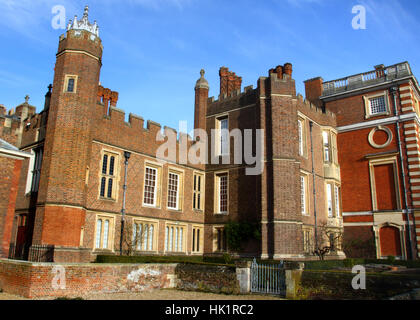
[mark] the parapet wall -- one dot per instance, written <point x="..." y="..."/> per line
<point x="325" y="118"/>
<point x="35" y="280"/>
<point x="133" y="135"/>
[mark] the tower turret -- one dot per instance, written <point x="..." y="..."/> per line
<point x="61" y="200"/>
<point x="201" y="97"/>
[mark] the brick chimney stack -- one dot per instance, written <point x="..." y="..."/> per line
<point x="314" y="90"/>
<point x="229" y="81"/>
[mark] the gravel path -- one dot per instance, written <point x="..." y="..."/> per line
<point x="160" y="295"/>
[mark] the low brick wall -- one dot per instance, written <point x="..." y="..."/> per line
<point x="34" y="280"/>
<point x="216" y="279"/>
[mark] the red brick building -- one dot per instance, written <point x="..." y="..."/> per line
<point x="378" y="147"/>
<point x="11" y="160"/>
<point x="92" y="170"/>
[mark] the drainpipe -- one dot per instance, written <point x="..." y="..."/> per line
<point x="393" y="91"/>
<point x="313" y="177"/>
<point x="127" y="156"/>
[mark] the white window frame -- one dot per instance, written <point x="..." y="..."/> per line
<point x="178" y="175"/>
<point x="368" y="109"/>
<point x="157" y="187"/>
<point x="218" y="203"/>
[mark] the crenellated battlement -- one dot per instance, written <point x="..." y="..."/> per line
<point x="136" y="134"/>
<point x="311" y="110"/>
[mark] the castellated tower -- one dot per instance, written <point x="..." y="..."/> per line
<point x="60" y="212"/>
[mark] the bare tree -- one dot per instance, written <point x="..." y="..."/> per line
<point x="133" y="238"/>
<point x="328" y="240"/>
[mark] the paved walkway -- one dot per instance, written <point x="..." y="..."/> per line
<point x="160" y="295"/>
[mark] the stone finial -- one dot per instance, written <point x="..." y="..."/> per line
<point x="84" y="24"/>
<point x="202" y="82"/>
<point x="27" y="98"/>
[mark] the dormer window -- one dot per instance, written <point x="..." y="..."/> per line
<point x="70" y="84"/>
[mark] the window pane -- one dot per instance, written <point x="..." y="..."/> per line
<point x="173" y="191"/>
<point x="300" y="129"/>
<point x="70" y="87"/>
<point x="337" y="201"/>
<point x="167" y="239"/>
<point x="150" y="186"/>
<point x="198" y="240"/>
<point x="110" y="181"/>
<point x="223" y="193"/>
<point x="151" y="231"/>
<point x="181" y="239"/>
<point x="377" y="105"/>
<point x="224" y="136"/>
<point x="193" y="241"/>
<point x="105" y="164"/>
<point x="171" y="234"/>
<point x="146" y="237"/>
<point x="98" y="233"/>
<point x="176" y="239"/>
<point x="303" y="194"/>
<point x="140" y="237"/>
<point x="111" y="166"/>
<point x="103" y="182"/>
<point x="329" y="200"/>
<point x="106" y="232"/>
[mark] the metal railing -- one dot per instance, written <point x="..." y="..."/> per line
<point x="35" y="253"/>
<point x="268" y="278"/>
<point x="367" y="78"/>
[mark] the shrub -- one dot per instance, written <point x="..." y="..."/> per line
<point x="162" y="259"/>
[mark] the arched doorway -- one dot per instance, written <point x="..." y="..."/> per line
<point x="390" y="241"/>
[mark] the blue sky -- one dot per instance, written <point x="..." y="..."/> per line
<point x="154" y="49"/>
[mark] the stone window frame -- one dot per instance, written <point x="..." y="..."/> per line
<point x="202" y="191"/>
<point x="67" y="78"/>
<point x="168" y="232"/>
<point x="111" y="232"/>
<point x="367" y="98"/>
<point x="194" y="241"/>
<point x="335" y="199"/>
<point x="155" y="242"/>
<point x="382" y="161"/>
<point x="116" y="177"/>
<point x="332" y="145"/>
<point x="217" y="176"/>
<point x="158" y="186"/>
